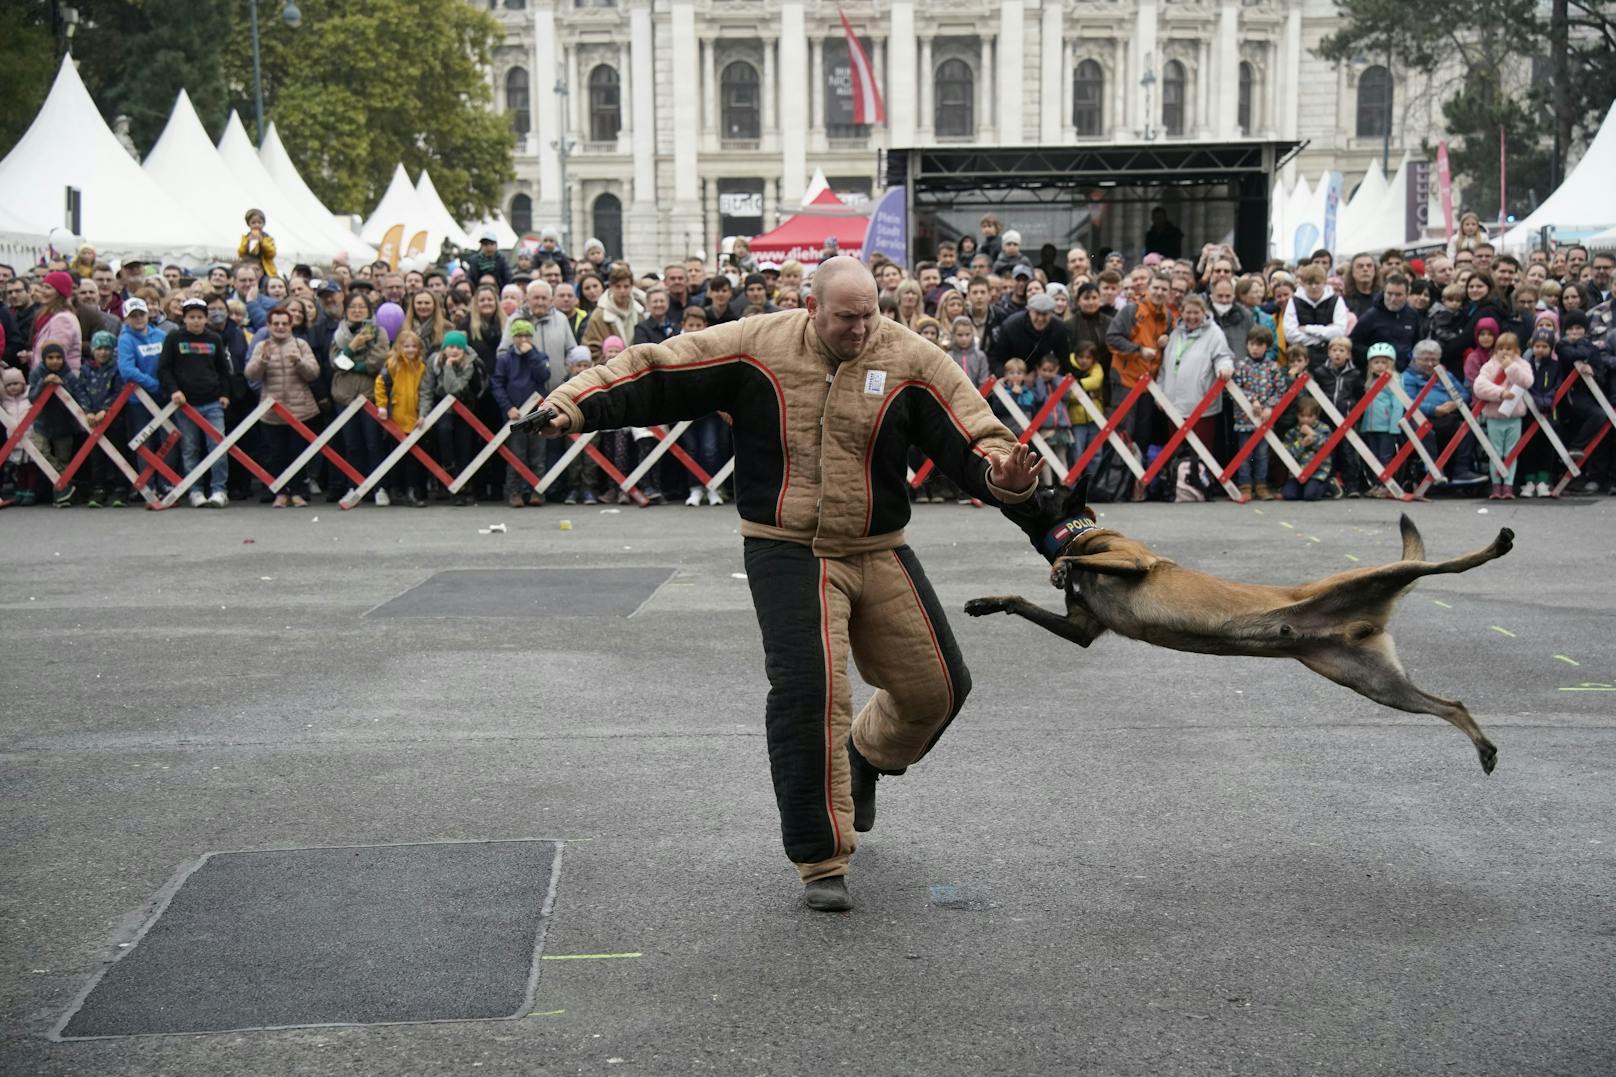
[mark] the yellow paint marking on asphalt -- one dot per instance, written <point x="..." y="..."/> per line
<point x="589" y="957"/>
<point x="1439" y="602"/>
<point x="1259" y="512"/>
<point x="1568" y="661"/>
<point x="547" y="1013"/>
<point x="1351" y="558"/>
<point x="1502" y="631"/>
<point x="1283" y="523"/>
<point x="1591" y="686"/>
<point x="1313" y="538"/>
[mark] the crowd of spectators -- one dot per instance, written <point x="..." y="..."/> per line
<point x="497" y="330"/>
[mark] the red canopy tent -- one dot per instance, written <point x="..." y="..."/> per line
<point x="802" y="237"/>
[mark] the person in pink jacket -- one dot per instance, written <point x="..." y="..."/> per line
<point x="1501" y="385"/>
<point x="56" y="320"/>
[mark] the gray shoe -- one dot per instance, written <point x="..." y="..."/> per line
<point x="828" y="895"/>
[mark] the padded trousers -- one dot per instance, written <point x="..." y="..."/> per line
<point x="812" y="612"/>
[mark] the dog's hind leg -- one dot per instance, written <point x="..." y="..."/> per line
<point x="1077" y="626"/>
<point x="1371" y="669"/>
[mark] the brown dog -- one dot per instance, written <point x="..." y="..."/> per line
<point x="1335" y="626"/>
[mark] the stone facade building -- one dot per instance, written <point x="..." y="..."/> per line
<point x="686" y="120"/>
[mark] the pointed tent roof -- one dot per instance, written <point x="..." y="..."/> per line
<point x="803" y="236"/>
<point x="184" y="159"/>
<point x="399" y="205"/>
<point x="278" y="163"/>
<point x="69" y="145"/>
<point x="815" y="186"/>
<point x="504" y="234"/>
<point x="1358" y="215"/>
<point x="440" y="222"/>
<point x="295" y="236"/>
<point x="1582" y="203"/>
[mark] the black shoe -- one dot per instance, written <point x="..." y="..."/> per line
<point x="864" y="777"/>
<point x="828" y="895"/>
<point x="332" y="497"/>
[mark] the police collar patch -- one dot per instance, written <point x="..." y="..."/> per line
<point x="1064" y="532"/>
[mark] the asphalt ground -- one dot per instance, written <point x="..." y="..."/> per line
<point x="1122" y="860"/>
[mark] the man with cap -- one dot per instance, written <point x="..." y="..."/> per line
<point x="1029" y="335"/>
<point x="486" y="261"/>
<point x="1012" y="302"/>
<point x="826" y="403"/>
<point x="194" y="369"/>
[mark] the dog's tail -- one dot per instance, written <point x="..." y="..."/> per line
<point x="1413" y="544"/>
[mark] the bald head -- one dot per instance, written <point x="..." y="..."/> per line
<point x="843" y="306"/>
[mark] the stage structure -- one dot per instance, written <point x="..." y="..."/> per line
<point x="1097" y="196"/>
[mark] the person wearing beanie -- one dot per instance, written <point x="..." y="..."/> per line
<point x="1010" y="254"/>
<point x="1538" y="456"/>
<point x="521" y="372"/>
<point x="55" y="426"/>
<point x="1477" y="355"/>
<point x="97" y="387"/>
<point x="456" y="372"/>
<point x="57" y="321"/>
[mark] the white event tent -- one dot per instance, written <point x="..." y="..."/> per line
<point x="1582" y="204"/>
<point x="184" y="159"/>
<point x="296" y="238"/>
<point x="399" y="205"/>
<point x="123" y="210"/>
<point x="504" y="234"/>
<point x="440" y="222"/>
<point x="278" y="163"/>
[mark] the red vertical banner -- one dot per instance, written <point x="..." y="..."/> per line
<point x="1444" y="177"/>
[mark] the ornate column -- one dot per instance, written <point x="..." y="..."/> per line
<point x="769" y="122"/>
<point x="686" y="123"/>
<point x="1011" y="91"/>
<point x="1051" y="74"/>
<point x="816" y="89"/>
<point x="985" y="93"/>
<point x="794" y="103"/>
<point x="928" y="86"/>
<point x="1145" y="114"/>
<point x="1118" y="93"/>
<point x="901" y="79"/>
<point x="642" y="58"/>
<point x="545" y="105"/>
<point x="1226" y="73"/>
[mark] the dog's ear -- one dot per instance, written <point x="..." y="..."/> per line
<point x="1077" y="500"/>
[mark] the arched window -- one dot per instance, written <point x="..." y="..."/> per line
<point x="605" y="104"/>
<point x="516" y="100"/>
<point x="1374" y="103"/>
<point x="739" y="94"/>
<point x="1172" y="115"/>
<point x="521" y="216"/>
<point x="956" y="100"/>
<point x="1088" y="97"/>
<point x="1243" y="108"/>
<point x="608" y="219"/>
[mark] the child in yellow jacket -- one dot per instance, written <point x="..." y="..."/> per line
<point x="404" y="395"/>
<point x="1086" y="424"/>
<point x="258" y="245"/>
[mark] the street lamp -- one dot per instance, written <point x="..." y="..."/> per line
<point x="564" y="149"/>
<point x="293" y="18"/>
<point x="1148" y="81"/>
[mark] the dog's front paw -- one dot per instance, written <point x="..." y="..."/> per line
<point x="981" y="607"/>
<point x="1058" y="574"/>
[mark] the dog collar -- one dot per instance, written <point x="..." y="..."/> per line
<point x="1063" y="533"/>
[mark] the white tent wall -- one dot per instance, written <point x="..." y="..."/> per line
<point x="296" y="239"/>
<point x="1278" y="204"/>
<point x="1583" y="203"/>
<point x="184" y="159"/>
<point x="331" y="228"/>
<point x="123" y="211"/>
